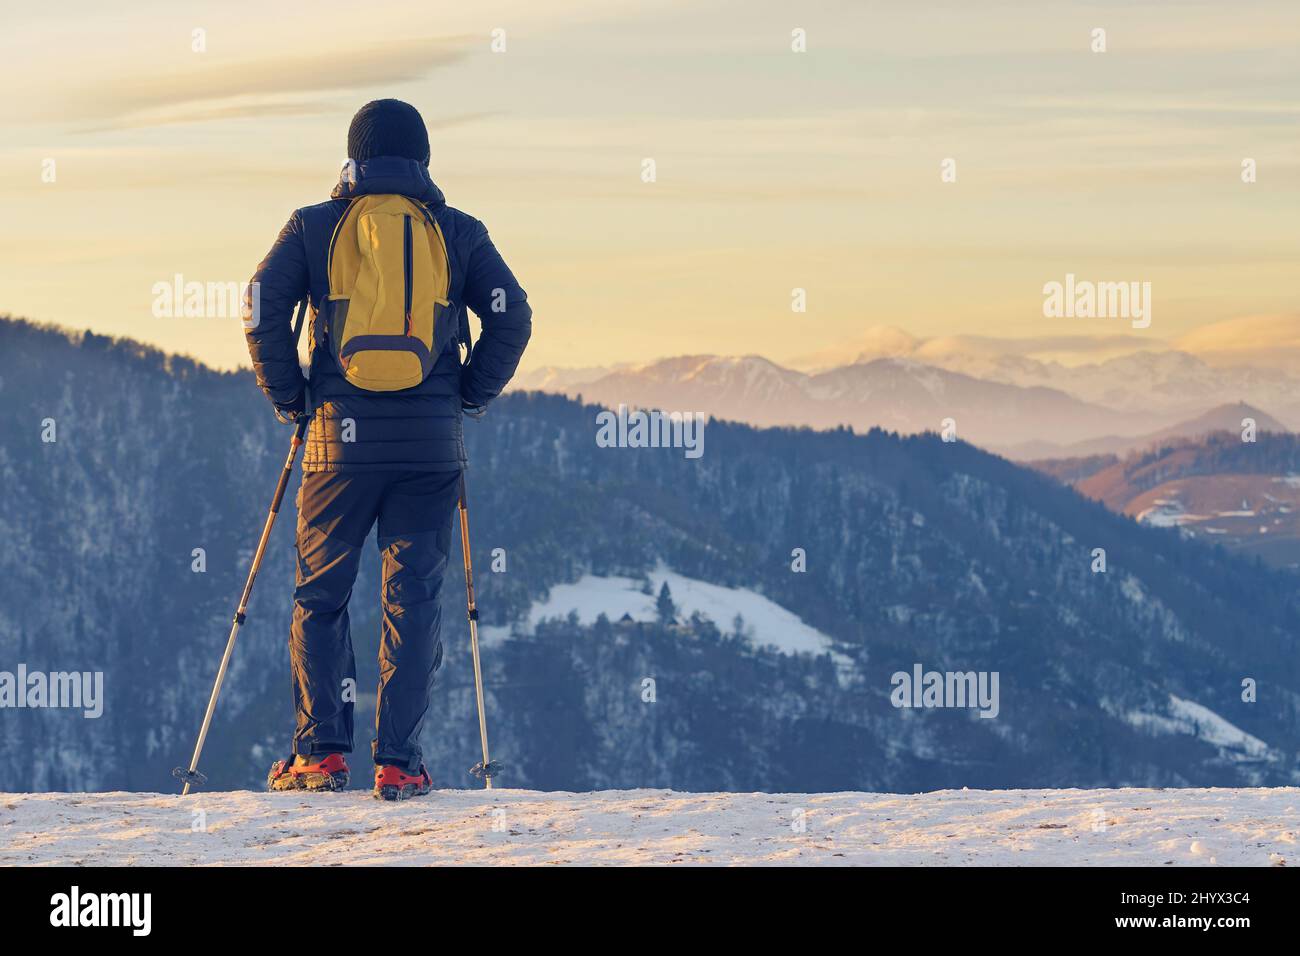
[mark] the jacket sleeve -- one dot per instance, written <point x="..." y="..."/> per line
<point x="506" y="318"/>
<point x="279" y="284"/>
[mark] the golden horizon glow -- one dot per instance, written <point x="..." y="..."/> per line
<point x="775" y="170"/>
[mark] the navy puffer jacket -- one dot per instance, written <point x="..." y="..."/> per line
<point x="418" y="428"/>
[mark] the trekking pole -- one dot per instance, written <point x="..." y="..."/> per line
<point x="487" y="769"/>
<point x="192" y="777"/>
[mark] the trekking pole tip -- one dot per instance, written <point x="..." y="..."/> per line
<point x="487" y="771"/>
<point x="191" y="778"/>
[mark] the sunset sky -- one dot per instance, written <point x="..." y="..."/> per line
<point x="776" y="169"/>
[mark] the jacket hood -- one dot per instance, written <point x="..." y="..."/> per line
<point x="388" y="174"/>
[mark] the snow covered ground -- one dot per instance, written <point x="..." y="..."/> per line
<point x="1254" y="827"/>
<point x="767" y="623"/>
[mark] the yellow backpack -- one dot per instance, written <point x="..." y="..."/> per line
<point x="387" y="315"/>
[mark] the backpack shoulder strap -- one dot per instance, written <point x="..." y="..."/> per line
<point x="463" y="334"/>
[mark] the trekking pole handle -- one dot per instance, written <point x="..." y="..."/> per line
<point x="299" y="435"/>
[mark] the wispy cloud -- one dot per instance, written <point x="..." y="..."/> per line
<point x="254" y="108"/>
<point x="211" y="88"/>
<point x="205" y="112"/>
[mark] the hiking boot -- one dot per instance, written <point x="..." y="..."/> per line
<point x="309" y="773"/>
<point x="394" y="783"/>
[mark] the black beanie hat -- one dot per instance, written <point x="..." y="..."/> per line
<point x="388" y="128"/>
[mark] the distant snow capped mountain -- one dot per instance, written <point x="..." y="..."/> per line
<point x="555" y="378"/>
<point x="1158" y="382"/>
<point x="1120" y="372"/>
<point x="895" y="394"/>
<point x="1017" y="404"/>
<point x="748" y="388"/>
<point x="886" y="341"/>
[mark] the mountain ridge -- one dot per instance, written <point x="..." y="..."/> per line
<point x="1244" y="495"/>
<point x="916" y="551"/>
<point x="896" y="394"/>
<point x="1229" y="417"/>
<point x="1014" y="405"/>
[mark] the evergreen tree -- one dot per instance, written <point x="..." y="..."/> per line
<point x="664" y="606"/>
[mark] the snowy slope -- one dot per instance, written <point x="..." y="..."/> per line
<point x="767" y="623"/>
<point x="1253" y="827"/>
<point x="1193" y="719"/>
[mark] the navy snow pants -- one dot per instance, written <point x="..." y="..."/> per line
<point x="336" y="511"/>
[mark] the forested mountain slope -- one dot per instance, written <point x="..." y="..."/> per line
<point x="917" y="552"/>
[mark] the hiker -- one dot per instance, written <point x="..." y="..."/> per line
<point x="389" y="269"/>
